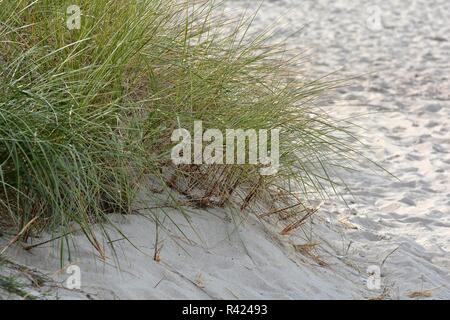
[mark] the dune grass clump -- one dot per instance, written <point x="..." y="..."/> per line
<point x="87" y="114"/>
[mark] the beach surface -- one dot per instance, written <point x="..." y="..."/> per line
<point x="393" y="239"/>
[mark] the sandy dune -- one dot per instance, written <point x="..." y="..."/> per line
<point x="402" y="226"/>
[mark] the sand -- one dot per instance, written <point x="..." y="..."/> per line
<point x="401" y="51"/>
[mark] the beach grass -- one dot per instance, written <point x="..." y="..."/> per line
<point x="86" y="114"/>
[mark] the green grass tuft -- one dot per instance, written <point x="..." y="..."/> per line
<point x="13" y="286"/>
<point x="86" y="115"/>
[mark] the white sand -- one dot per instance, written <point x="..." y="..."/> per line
<point x="410" y="132"/>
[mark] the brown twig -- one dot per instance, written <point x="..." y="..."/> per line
<point x="14" y="240"/>
<point x="298" y="223"/>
